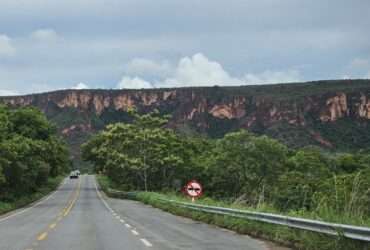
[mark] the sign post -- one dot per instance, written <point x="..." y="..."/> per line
<point x="193" y="189"/>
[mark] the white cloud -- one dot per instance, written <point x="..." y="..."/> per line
<point x="4" y="92"/>
<point x="80" y="85"/>
<point x="200" y="71"/>
<point x="359" y="63"/>
<point x="91" y="46"/>
<point x="140" y="66"/>
<point x="44" y="35"/>
<point x="358" y="68"/>
<point x="6" y="46"/>
<point x="269" y="76"/>
<point x="133" y="83"/>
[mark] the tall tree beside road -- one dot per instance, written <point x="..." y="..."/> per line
<point x="245" y="164"/>
<point x="30" y="152"/>
<point x="142" y="155"/>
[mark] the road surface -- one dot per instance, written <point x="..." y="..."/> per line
<point x="78" y="217"/>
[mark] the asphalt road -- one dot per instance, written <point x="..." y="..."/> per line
<point x="78" y="217"/>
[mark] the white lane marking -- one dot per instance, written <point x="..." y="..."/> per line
<point x="118" y="217"/>
<point x="146" y="243"/>
<point x="101" y="198"/>
<point x="134" y="232"/>
<point x="34" y="205"/>
<point x="42" y="236"/>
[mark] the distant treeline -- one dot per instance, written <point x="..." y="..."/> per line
<point x="240" y="167"/>
<point x="30" y="152"/>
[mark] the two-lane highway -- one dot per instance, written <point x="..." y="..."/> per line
<point x="25" y="228"/>
<point x="78" y="217"/>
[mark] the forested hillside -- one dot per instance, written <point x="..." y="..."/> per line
<point x="334" y="115"/>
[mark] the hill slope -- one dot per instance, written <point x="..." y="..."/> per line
<point x="332" y="114"/>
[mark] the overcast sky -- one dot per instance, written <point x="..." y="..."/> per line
<point x="53" y="44"/>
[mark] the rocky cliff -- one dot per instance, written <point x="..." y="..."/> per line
<point x="332" y="114"/>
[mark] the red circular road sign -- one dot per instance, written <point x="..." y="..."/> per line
<point x="193" y="189"/>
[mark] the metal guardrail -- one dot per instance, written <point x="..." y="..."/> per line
<point x="348" y="231"/>
<point x="121" y="194"/>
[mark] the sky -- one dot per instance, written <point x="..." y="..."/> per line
<point x="51" y="44"/>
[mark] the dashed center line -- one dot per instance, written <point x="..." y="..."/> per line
<point x="42" y="236"/>
<point x="146" y="243"/>
<point x="134" y="232"/>
<point x="127" y="225"/>
<point x="60" y="215"/>
<point x="122" y="221"/>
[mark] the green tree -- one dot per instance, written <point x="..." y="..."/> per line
<point x="2" y="177"/>
<point x="349" y="163"/>
<point x="246" y="165"/>
<point x="31" y="123"/>
<point x="141" y="155"/>
<point x="30" y="152"/>
<point x="295" y="188"/>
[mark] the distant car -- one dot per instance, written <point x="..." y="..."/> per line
<point x="73" y="175"/>
<point x="78" y="172"/>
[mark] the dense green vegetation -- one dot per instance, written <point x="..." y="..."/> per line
<point x="345" y="134"/>
<point x="141" y="155"/>
<point x="243" y="169"/>
<point x="31" y="156"/>
<point x="51" y="184"/>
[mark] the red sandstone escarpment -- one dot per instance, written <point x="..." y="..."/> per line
<point x="242" y="106"/>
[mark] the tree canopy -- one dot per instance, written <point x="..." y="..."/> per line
<point x="30" y="152"/>
<point x="243" y="167"/>
<point x="142" y="155"/>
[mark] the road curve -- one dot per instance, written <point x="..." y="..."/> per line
<point x="78" y="217"/>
